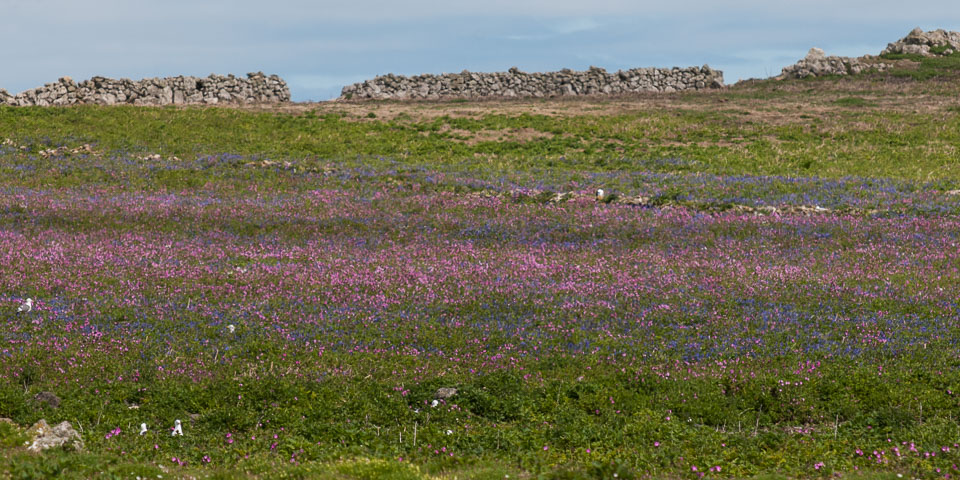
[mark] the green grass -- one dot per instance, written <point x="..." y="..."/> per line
<point x="341" y="422"/>
<point x="851" y="140"/>
<point x="928" y="68"/>
<point x="853" y="102"/>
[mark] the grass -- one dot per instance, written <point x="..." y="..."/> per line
<point x="853" y="102"/>
<point x="928" y="67"/>
<point x="406" y="248"/>
<point x="848" y="137"/>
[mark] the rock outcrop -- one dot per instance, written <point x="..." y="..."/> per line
<point x="515" y="83"/>
<point x="43" y="436"/>
<point x="817" y="64"/>
<point x="928" y="44"/>
<point x="214" y="89"/>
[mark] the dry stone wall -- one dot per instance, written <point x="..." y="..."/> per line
<point x="515" y="83"/>
<point x="817" y="63"/>
<point x="214" y="89"/>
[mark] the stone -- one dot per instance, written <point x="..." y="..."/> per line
<point x="42" y="436"/>
<point x="166" y="96"/>
<point x="815" y="54"/>
<point x="48" y="399"/>
<point x="915" y="50"/>
<point x="445" y="393"/>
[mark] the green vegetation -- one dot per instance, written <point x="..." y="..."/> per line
<point x="296" y="286"/>
<point x="928" y="68"/>
<point x="853" y="102"/>
<point x="759" y="130"/>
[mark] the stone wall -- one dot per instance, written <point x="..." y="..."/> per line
<point x="817" y="63"/>
<point x="215" y="89"/>
<point x="515" y="83"/>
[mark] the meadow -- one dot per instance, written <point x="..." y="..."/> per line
<point x="296" y="283"/>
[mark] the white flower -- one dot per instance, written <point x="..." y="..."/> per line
<point x="143" y="428"/>
<point x="26" y="306"/>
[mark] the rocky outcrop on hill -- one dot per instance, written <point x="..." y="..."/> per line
<point x="928" y="44"/>
<point x="214" y="89"/>
<point x="918" y="42"/>
<point x="817" y="63"/>
<point x="515" y="83"/>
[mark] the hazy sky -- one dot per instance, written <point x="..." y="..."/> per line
<point x="319" y="46"/>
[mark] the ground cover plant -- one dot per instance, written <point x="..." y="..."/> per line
<point x="296" y="285"/>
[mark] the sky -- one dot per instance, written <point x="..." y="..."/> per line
<point x="320" y="46"/>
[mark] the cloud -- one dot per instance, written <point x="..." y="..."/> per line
<point x="576" y="25"/>
<point x="317" y="44"/>
<point x="284" y="12"/>
<point x="541" y="31"/>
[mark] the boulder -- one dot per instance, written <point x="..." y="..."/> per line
<point x="42" y="436"/>
<point x="815" y="54"/>
<point x="445" y="393"/>
<point x="48" y="399"/>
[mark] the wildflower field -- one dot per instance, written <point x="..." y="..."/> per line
<point x="765" y="293"/>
